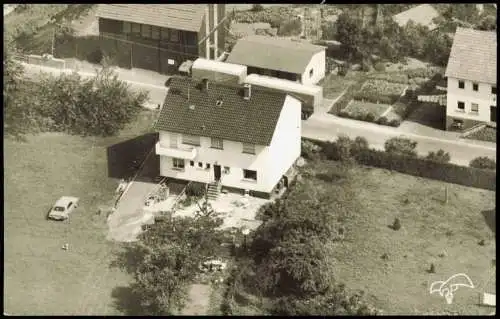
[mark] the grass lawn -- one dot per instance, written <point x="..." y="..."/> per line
<point x="400" y="285"/>
<point x="487" y="134"/>
<point x="358" y="108"/>
<point x="40" y="278"/>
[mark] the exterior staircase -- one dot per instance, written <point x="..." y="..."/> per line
<point x="213" y="190"/>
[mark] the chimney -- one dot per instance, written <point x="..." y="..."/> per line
<point x="247" y="91"/>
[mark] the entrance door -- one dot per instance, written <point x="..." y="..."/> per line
<point x="493" y="114"/>
<point x="217" y="172"/>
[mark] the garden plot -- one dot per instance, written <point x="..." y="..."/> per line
<point x="357" y="109"/>
<point x="381" y="87"/>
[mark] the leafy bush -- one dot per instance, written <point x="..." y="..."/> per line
<point x="309" y="150"/>
<point x="483" y="163"/>
<point x="427" y="73"/>
<point x="288" y="28"/>
<point x="439" y="156"/>
<point x="379" y="66"/>
<point x="343" y="114"/>
<point x="394" y="123"/>
<point x="194" y="189"/>
<point x="360" y="143"/>
<point x="369" y="117"/>
<point x="95" y="56"/>
<point x="382" y="120"/>
<point x="343" y="145"/>
<point x="401" y="146"/>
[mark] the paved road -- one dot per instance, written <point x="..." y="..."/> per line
<point x="327" y="127"/>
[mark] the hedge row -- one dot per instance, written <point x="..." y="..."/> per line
<point x="421" y="167"/>
<point x="370" y="117"/>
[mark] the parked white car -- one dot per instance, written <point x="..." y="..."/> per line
<point x="63" y="207"/>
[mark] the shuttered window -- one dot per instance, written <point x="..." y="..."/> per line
<point x="146" y="31"/>
<point x="248" y="148"/>
<point x="191" y="140"/>
<point x="136" y="28"/>
<point x="155" y="33"/>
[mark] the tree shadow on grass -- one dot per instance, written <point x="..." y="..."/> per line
<point x="489" y="217"/>
<point x="429" y="114"/>
<point x="125" y="158"/>
<point x="126" y="299"/>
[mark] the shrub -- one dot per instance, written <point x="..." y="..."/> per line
<point x="288" y="28"/>
<point x="360" y="143"/>
<point x="483" y="163"/>
<point x="396" y="225"/>
<point x="382" y="120"/>
<point x="343" y="145"/>
<point x="195" y="189"/>
<point x="369" y="117"/>
<point x="309" y="150"/>
<point x="401" y="146"/>
<point x="257" y="8"/>
<point x="439" y="156"/>
<point x="379" y="66"/>
<point x="422" y="73"/>
<point x="394" y="123"/>
<point x="95" y="56"/>
<point x="432" y="270"/>
<point x="343" y="114"/>
<point x="365" y="65"/>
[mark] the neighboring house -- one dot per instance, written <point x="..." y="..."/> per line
<point x="472" y="77"/>
<point x="158" y="37"/>
<point x="239" y="137"/>
<point x="423" y="14"/>
<point x="287" y="59"/>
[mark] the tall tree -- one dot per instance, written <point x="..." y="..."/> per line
<point x="349" y="34"/>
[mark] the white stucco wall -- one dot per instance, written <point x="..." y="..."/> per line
<point x="318" y="65"/>
<point x="285" y="145"/>
<point x="482" y="97"/>
<point x="270" y="162"/>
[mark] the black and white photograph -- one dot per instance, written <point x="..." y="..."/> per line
<point x="273" y="159"/>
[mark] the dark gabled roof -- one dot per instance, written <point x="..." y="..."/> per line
<point x="473" y="56"/>
<point x="273" y="53"/>
<point x="250" y="121"/>
<point x="186" y="17"/>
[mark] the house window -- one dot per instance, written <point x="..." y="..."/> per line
<point x="155" y="33"/>
<point x="191" y="140"/>
<point x="494" y="90"/>
<point x="474" y="107"/>
<point x="191" y="163"/>
<point x="217" y="143"/>
<point x="207" y="166"/>
<point x="227" y="170"/>
<point x="248" y="148"/>
<point x="146" y="31"/>
<point x="136" y="28"/>
<point x="311" y="73"/>
<point x="200" y="164"/>
<point x="127" y="28"/>
<point x="461" y="84"/>
<point x="191" y="38"/>
<point x="178" y="163"/>
<point x="461" y="106"/>
<point x="475" y="87"/>
<point x="174" y="35"/>
<point x="164" y="34"/>
<point x="248" y="174"/>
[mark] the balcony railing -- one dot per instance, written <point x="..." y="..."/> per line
<point x="182" y="151"/>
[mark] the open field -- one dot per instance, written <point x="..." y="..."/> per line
<point x="358" y="108"/>
<point x="41" y="278"/>
<point x="400" y="284"/>
<point x="487" y="134"/>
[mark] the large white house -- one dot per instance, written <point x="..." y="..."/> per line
<point x="282" y="58"/>
<point x="241" y="137"/>
<point x="472" y="79"/>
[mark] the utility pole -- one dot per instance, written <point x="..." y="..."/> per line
<point x="216" y="33"/>
<point x="207" y="31"/>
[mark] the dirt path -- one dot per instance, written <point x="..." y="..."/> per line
<point x="199" y="300"/>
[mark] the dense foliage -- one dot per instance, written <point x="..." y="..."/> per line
<point x="439" y="156"/>
<point x="484" y="163"/>
<point x="100" y="105"/>
<point x="168" y="256"/>
<point x="401" y="146"/>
